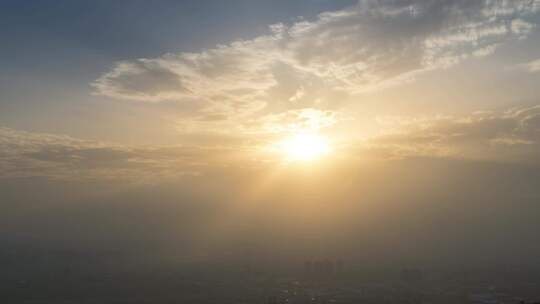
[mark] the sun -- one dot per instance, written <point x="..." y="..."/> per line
<point x="305" y="147"/>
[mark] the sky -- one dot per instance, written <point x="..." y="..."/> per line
<point x="173" y="121"/>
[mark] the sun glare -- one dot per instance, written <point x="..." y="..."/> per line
<point x="305" y="147"/>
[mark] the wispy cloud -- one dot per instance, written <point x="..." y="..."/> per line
<point x="27" y="154"/>
<point x="531" y="66"/>
<point x="509" y="136"/>
<point x="321" y="63"/>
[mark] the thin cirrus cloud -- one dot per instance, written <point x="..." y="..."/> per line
<point x="28" y="154"/>
<point x="507" y="136"/>
<point x="316" y="63"/>
<point x="531" y="66"/>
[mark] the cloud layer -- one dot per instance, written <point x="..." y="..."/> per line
<point x="26" y="154"/>
<point x="507" y="136"/>
<point x="321" y="63"/>
<point x="299" y="77"/>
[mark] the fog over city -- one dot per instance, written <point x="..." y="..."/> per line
<point x="307" y="151"/>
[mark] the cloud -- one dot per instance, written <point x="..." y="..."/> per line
<point x="27" y="154"/>
<point x="509" y="136"/>
<point x="146" y="80"/>
<point x="531" y="66"/>
<point x="321" y="63"/>
<point x="304" y="119"/>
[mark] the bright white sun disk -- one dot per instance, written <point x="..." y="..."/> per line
<point x="305" y="147"/>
